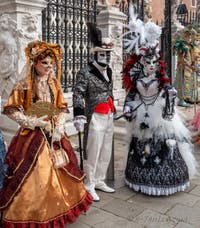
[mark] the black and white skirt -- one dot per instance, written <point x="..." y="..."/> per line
<point x="156" y="167"/>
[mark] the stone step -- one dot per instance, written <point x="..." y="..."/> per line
<point x="120" y="133"/>
<point x="70" y="129"/>
<point x="121" y="102"/>
<point x="119" y="94"/>
<point x="120" y="123"/>
<point x="119" y="109"/>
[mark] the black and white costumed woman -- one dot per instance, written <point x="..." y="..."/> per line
<point x="159" y="159"/>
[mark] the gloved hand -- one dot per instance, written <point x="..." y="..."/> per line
<point x="46" y="125"/>
<point x="59" y="130"/>
<point x="29" y="121"/>
<point x="127" y="111"/>
<point x="172" y="92"/>
<point x="79" y="122"/>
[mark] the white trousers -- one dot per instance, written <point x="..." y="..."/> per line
<point x="99" y="148"/>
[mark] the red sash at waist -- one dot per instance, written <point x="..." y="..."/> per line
<point x="105" y="107"/>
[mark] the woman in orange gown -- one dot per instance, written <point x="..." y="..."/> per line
<point x="44" y="185"/>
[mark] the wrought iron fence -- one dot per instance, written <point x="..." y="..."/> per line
<point x="190" y="17"/>
<point x="65" y="22"/>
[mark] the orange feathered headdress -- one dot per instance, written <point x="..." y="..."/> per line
<point x="36" y="48"/>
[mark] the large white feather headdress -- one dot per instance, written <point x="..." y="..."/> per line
<point x="140" y="35"/>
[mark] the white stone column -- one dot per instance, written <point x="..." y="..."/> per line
<point x="28" y="18"/>
<point x="110" y="20"/>
<point x="20" y="23"/>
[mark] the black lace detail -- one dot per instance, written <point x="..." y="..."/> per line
<point x="168" y="110"/>
<point x="156" y="167"/>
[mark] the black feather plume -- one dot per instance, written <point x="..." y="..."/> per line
<point x="94" y="35"/>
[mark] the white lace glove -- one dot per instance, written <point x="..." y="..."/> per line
<point x="172" y="92"/>
<point x="29" y="121"/>
<point x="127" y="111"/>
<point x="59" y="130"/>
<point x="79" y="122"/>
<point x="46" y="125"/>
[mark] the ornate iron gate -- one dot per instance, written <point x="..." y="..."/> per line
<point x="65" y="22"/>
<point x="189" y="18"/>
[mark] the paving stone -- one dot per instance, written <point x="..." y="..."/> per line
<point x="118" y="223"/>
<point x="123" y="209"/>
<point x="95" y="216"/>
<point x="196" y="181"/>
<point x="77" y="224"/>
<point x="183" y="225"/>
<point x="183" y="198"/>
<point x="119" y="180"/>
<point x="185" y="214"/>
<point x="196" y="191"/>
<point x="197" y="204"/>
<point x="160" y="204"/>
<point x="152" y="219"/>
<point x="105" y="198"/>
<point x="191" y="187"/>
<point x="124" y="193"/>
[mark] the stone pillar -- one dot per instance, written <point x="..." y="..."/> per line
<point x="110" y="20"/>
<point x="20" y="23"/>
<point x="175" y="28"/>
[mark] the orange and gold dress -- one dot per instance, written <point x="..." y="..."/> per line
<point x="34" y="193"/>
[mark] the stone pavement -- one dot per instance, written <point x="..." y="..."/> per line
<point x="128" y="209"/>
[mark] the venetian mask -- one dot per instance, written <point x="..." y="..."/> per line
<point x="150" y="64"/>
<point x="44" y="66"/>
<point x="102" y="57"/>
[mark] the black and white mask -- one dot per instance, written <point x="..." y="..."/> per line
<point x="150" y="64"/>
<point x="102" y="58"/>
